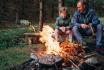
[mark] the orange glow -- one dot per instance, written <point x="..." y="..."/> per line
<point x="66" y="49"/>
<point x="52" y="46"/>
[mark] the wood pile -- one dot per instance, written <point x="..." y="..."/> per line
<point x="71" y="51"/>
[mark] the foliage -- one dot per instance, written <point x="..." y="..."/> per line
<point x="11" y="37"/>
<point x="102" y="20"/>
<point x="12" y="50"/>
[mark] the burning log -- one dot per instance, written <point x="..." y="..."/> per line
<point x="71" y="51"/>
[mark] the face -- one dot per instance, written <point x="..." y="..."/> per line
<point x="63" y="14"/>
<point x="80" y="7"/>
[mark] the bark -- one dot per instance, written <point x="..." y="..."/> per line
<point x="41" y="18"/>
<point x="60" y="3"/>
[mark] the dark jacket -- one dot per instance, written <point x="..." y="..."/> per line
<point x="62" y="22"/>
<point x="88" y="17"/>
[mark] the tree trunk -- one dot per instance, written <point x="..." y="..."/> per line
<point x="41" y="16"/>
<point x="16" y="19"/>
<point x="60" y="3"/>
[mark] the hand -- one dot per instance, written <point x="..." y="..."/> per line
<point x="63" y="29"/>
<point x="84" y="26"/>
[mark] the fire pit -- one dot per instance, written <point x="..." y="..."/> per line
<point x="50" y="60"/>
<point x="45" y="59"/>
<point x="68" y="56"/>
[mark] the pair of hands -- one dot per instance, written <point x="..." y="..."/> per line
<point x="63" y="29"/>
<point x="84" y="26"/>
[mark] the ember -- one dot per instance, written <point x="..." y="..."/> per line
<point x="71" y="51"/>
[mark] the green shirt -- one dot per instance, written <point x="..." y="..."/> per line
<point x="62" y="22"/>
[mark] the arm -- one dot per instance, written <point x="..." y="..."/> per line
<point x="69" y="24"/>
<point x="57" y="24"/>
<point x="74" y="20"/>
<point x="95" y="19"/>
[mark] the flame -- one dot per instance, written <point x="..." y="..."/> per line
<point x="52" y="46"/>
<point x="66" y="49"/>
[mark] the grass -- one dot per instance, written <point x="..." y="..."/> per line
<point x="12" y="50"/>
<point x="102" y="20"/>
<point x="13" y="56"/>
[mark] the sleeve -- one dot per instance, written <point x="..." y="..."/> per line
<point x="95" y="19"/>
<point x="69" y="24"/>
<point x="74" y="20"/>
<point x="57" y="23"/>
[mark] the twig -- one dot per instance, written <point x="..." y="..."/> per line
<point x="91" y="29"/>
<point x="87" y="56"/>
<point x="56" y="66"/>
<point x="74" y="64"/>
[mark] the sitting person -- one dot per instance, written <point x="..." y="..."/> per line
<point x="62" y="25"/>
<point x="85" y="21"/>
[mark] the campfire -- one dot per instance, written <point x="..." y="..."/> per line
<point x="54" y="53"/>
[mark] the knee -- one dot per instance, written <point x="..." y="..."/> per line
<point x="56" y="31"/>
<point x="99" y="26"/>
<point x="75" y="28"/>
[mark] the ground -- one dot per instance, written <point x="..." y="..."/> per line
<point x="13" y="49"/>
